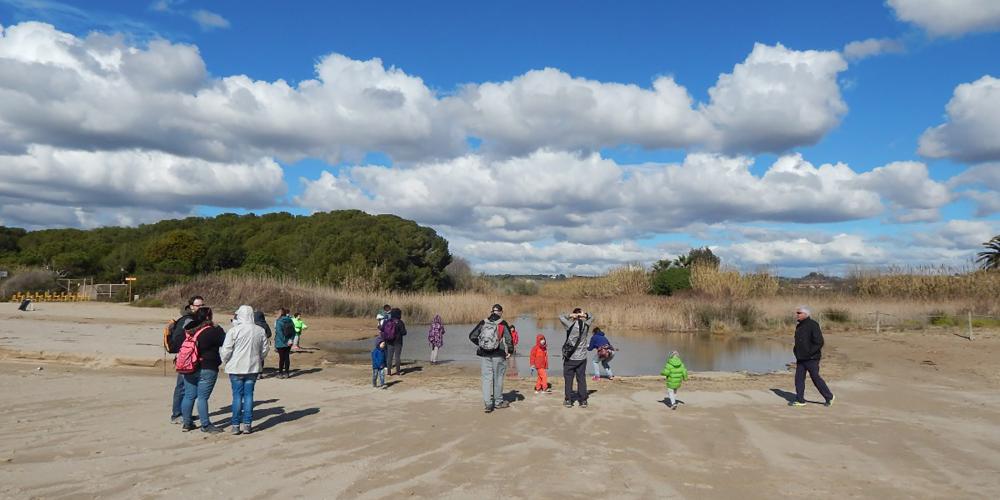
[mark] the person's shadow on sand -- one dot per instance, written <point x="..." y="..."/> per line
<point x="513" y="396"/>
<point x="788" y="396"/>
<point x="281" y="417"/>
<point x="225" y="410"/>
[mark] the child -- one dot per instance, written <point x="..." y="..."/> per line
<point x="675" y="372"/>
<point x="435" y="335"/>
<point x="378" y="364"/>
<point x="539" y="360"/>
<point x="300" y="327"/>
<point x="604" y="353"/>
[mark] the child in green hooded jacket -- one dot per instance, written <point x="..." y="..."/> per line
<point x="676" y="373"/>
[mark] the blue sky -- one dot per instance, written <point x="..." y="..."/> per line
<point x="536" y="136"/>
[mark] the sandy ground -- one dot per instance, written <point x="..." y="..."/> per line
<point x="917" y="416"/>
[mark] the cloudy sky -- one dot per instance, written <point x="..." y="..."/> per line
<point x="536" y="136"/>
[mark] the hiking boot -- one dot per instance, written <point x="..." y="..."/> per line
<point x="583" y="404"/>
<point x="488" y="409"/>
<point x="211" y="429"/>
<point x="503" y="404"/>
<point x="829" y="402"/>
<point x="797" y="403"/>
<point x="236" y="430"/>
<point x="567" y="403"/>
<point x="246" y="428"/>
<point x="187" y="427"/>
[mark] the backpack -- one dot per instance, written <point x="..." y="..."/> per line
<point x="173" y="335"/>
<point x="168" y="332"/>
<point x="605" y="352"/>
<point x="389" y="330"/>
<point x="490" y="335"/>
<point x="188" y="356"/>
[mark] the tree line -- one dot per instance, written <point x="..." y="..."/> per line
<point x="342" y="248"/>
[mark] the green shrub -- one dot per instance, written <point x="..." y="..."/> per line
<point x="670" y="280"/>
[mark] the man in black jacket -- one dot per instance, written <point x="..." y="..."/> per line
<point x="493" y="359"/>
<point x="808" y="351"/>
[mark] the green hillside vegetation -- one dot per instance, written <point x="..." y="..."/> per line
<point x="347" y="248"/>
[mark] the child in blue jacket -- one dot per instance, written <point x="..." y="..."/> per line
<point x="378" y="364"/>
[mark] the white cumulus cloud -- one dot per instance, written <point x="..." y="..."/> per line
<point x="970" y="133"/>
<point x="863" y="49"/>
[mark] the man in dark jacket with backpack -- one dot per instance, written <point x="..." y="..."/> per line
<point x="494" y="345"/>
<point x="392" y="332"/>
<point x="808" y="351"/>
<point x="176" y="337"/>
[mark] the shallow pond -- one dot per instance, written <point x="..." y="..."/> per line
<point x="638" y="354"/>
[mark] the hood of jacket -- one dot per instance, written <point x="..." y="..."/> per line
<point x="258" y="317"/>
<point x="244" y="315"/>
<point x="538" y="342"/>
<point x="675" y="361"/>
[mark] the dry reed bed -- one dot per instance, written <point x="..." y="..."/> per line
<point x="690" y="312"/>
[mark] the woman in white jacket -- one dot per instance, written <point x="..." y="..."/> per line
<point x="243" y="351"/>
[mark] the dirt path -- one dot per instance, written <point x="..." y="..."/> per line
<point x="917" y="416"/>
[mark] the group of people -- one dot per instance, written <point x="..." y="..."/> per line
<point x="202" y="346"/>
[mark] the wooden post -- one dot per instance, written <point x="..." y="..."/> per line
<point x="878" y="323"/>
<point x="970" y="325"/>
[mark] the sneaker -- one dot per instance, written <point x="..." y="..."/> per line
<point x="611" y="377"/>
<point x="548" y="391"/>
<point x="176" y="420"/>
<point x="246" y="428"/>
<point x="536" y="392"/>
<point x="568" y="404"/>
<point x="595" y="378"/>
<point x="583" y="404"/>
<point x="488" y="409"/>
<point x="236" y="430"/>
<point x="187" y="427"/>
<point x="503" y="404"/>
<point x="673" y="406"/>
<point x="211" y="429"/>
<point x="796" y="403"/>
<point x="829" y="402"/>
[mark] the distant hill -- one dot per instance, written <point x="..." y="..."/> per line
<point x="346" y="247"/>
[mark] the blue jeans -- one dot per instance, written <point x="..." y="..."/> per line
<point x="242" y="398"/>
<point x="598" y="363"/>
<point x="198" y="385"/>
<point x="178" y="396"/>
<point x="493" y="370"/>
<point x="378" y="375"/>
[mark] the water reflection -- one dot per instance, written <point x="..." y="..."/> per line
<point x="639" y="353"/>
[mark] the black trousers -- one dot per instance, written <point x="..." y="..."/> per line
<point x="393" y="352"/>
<point x="284" y="359"/>
<point x="811" y="366"/>
<point x="577" y="370"/>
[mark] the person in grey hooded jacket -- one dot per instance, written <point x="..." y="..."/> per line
<point x="243" y="353"/>
<point x="574" y="351"/>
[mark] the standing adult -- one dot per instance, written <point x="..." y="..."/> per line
<point x="177" y="336"/>
<point x="243" y="352"/>
<point x="808" y="352"/>
<point x="574" y="351"/>
<point x="199" y="384"/>
<point x="392" y="332"/>
<point x="493" y="346"/>
<point x="435" y="336"/>
<point x="284" y="334"/>
<point x="261" y="321"/>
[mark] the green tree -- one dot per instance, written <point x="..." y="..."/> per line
<point x="990" y="258"/>
<point x="670" y="280"/>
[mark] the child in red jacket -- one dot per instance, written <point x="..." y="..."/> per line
<point x="539" y="361"/>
